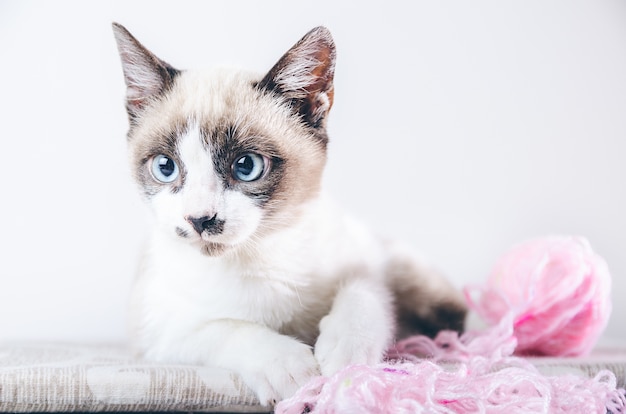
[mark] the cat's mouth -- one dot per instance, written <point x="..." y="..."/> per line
<point x="207" y="246"/>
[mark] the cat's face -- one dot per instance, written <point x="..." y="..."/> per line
<point x="225" y="157"/>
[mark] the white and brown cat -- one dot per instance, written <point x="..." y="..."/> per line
<point x="250" y="266"/>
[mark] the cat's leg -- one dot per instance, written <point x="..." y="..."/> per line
<point x="359" y="327"/>
<point x="274" y="366"/>
<point x="426" y="302"/>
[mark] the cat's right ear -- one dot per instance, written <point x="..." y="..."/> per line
<point x="146" y="76"/>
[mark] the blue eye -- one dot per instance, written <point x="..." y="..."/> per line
<point x="249" y="167"/>
<point x="164" y="169"/>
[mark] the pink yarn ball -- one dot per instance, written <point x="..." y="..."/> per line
<point x="558" y="291"/>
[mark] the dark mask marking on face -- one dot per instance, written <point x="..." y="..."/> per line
<point x="227" y="144"/>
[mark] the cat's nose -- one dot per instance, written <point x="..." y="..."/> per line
<point x="210" y="224"/>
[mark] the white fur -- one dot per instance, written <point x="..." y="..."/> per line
<point x="296" y="76"/>
<point x="226" y="310"/>
<point x="202" y="184"/>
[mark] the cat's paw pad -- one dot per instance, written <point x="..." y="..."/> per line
<point x="280" y="368"/>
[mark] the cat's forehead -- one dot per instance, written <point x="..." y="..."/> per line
<point x="222" y="103"/>
<point x="211" y="94"/>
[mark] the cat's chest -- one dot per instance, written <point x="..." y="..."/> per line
<point x="187" y="285"/>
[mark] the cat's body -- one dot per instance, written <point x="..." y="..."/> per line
<point x="249" y="266"/>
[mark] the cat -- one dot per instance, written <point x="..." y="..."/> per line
<point x="250" y="266"/>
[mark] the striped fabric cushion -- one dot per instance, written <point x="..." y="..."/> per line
<point x="71" y="378"/>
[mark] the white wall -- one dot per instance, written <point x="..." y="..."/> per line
<point x="462" y="127"/>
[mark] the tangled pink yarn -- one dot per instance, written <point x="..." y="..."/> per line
<point x="475" y="373"/>
<point x="557" y="278"/>
<point x="558" y="290"/>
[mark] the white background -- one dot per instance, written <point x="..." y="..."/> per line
<point x="461" y="127"/>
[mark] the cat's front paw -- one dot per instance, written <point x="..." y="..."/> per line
<point x="339" y="346"/>
<point x="278" y="368"/>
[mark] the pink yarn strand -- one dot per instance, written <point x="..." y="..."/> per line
<point x="497" y="343"/>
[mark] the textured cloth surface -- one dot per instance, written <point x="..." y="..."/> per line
<point x="88" y="378"/>
<point x="101" y="378"/>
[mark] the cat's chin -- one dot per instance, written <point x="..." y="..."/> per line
<point x="214" y="249"/>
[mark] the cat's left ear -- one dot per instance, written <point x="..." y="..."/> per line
<point x="304" y="76"/>
<point x="147" y="77"/>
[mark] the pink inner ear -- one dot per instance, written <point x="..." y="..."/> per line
<point x="322" y="88"/>
<point x="136" y="103"/>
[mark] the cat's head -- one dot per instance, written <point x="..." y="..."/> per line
<point x="225" y="157"/>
